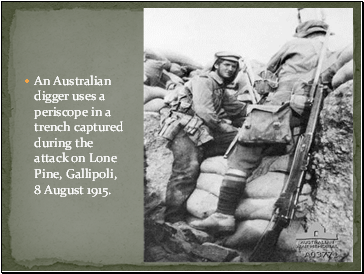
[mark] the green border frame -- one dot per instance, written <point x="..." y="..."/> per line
<point x="8" y="262"/>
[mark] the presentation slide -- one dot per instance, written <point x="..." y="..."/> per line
<point x="199" y="136"/>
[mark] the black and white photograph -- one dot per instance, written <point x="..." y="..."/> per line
<point x="248" y="135"/>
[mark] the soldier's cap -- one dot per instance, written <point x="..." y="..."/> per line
<point x="306" y="28"/>
<point x="226" y="55"/>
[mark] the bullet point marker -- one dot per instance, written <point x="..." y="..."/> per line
<point x="26" y="81"/>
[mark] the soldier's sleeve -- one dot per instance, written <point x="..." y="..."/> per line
<point x="203" y="102"/>
<point x="233" y="107"/>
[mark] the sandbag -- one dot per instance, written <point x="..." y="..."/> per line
<point x="153" y="73"/>
<point x="215" y="164"/>
<point x="287" y="239"/>
<point x="178" y="70"/>
<point x="345" y="56"/>
<point x="154" y="54"/>
<point x="251" y="209"/>
<point x="343" y="75"/>
<point x="201" y="203"/>
<point x="249" y="232"/>
<point x="154" y="105"/>
<point x="174" y="78"/>
<point x="151" y="93"/>
<point x="181" y="59"/>
<point x="210" y="182"/>
<point x="173" y="57"/>
<point x="266" y="186"/>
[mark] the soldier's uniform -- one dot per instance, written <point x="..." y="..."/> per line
<point x="204" y="98"/>
<point x="294" y="65"/>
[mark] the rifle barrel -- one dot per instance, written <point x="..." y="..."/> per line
<point x="319" y="64"/>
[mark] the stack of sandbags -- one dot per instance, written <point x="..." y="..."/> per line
<point x="203" y="201"/>
<point x="258" y="196"/>
<point x="256" y="209"/>
<point x="164" y="71"/>
<point x="257" y="203"/>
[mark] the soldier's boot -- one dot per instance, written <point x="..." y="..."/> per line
<point x="216" y="222"/>
<point x="230" y="192"/>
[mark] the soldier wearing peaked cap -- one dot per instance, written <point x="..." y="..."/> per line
<point x="294" y="64"/>
<point x="200" y="123"/>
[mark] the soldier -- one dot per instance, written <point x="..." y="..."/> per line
<point x="204" y="132"/>
<point x="295" y="65"/>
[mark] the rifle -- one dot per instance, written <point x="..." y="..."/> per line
<point x="285" y="206"/>
<point x="252" y="92"/>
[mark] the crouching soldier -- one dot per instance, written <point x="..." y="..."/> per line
<point x="295" y="66"/>
<point x="201" y="123"/>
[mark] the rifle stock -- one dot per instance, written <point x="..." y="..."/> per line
<point x="263" y="249"/>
